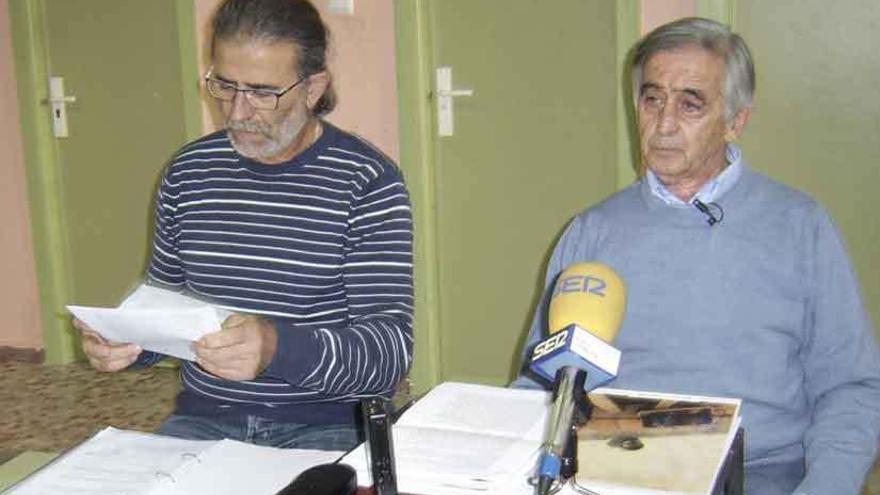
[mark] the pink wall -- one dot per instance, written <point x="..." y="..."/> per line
<point x="657" y="12"/>
<point x="19" y="302"/>
<point x="362" y="60"/>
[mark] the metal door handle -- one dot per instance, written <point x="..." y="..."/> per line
<point x="456" y="92"/>
<point x="62" y="99"/>
<point x="445" y="93"/>
<point x="58" y="100"/>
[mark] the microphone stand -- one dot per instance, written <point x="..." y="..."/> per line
<point x="569" y="466"/>
<point x="584" y="409"/>
<point x="562" y="442"/>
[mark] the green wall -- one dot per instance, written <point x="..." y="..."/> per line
<point x="816" y="124"/>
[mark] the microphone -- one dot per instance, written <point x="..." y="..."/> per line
<point x="586" y="310"/>
<point x="706" y="209"/>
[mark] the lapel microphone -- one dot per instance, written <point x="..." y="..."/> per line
<point x="714" y="213"/>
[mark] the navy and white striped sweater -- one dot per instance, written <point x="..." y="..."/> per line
<point x="321" y="244"/>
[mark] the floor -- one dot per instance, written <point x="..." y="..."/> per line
<point x="53" y="408"/>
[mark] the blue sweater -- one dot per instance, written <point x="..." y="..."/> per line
<point x="321" y="244"/>
<point x="763" y="306"/>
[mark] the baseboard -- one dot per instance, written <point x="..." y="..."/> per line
<point x="21" y="355"/>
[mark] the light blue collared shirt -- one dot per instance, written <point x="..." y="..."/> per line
<point x="711" y="190"/>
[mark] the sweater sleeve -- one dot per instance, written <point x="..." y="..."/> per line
<point x="570" y="249"/>
<point x="372" y="352"/>
<point x="842" y="372"/>
<point x="165" y="267"/>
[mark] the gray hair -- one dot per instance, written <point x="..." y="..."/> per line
<point x="272" y="21"/>
<point x="739" y="81"/>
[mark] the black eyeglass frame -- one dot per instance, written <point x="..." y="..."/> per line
<point x="249" y="93"/>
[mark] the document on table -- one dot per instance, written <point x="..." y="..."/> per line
<point x="466" y="439"/>
<point x="117" y="462"/>
<point x="156" y="319"/>
<point x="112" y="462"/>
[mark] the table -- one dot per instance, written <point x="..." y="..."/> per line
<point x="21" y="465"/>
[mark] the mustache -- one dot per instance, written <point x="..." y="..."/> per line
<point x="664" y="145"/>
<point x="247" y="126"/>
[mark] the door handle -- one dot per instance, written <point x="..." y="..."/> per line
<point x="58" y="101"/>
<point x="445" y="95"/>
<point x="454" y="92"/>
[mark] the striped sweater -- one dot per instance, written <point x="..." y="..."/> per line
<point x="322" y="245"/>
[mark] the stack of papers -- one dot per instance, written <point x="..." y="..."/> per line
<point x="156" y="319"/>
<point x="465" y="439"/>
<point x="134" y="463"/>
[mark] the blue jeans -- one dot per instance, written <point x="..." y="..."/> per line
<point x="262" y="431"/>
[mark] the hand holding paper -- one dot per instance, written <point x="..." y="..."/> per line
<point x="242" y="349"/>
<point x="152" y="318"/>
<point x="103" y="355"/>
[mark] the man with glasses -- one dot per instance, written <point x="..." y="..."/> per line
<point x="737" y="285"/>
<point x="302" y="230"/>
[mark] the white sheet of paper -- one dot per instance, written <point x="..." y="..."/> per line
<point x="113" y="462"/>
<point x="233" y="468"/>
<point x="156" y="319"/>
<point x="482" y="409"/>
<point x="122" y="462"/>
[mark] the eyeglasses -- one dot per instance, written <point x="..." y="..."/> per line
<point x="259" y="98"/>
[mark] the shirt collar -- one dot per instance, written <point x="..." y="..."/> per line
<point x="711" y="190"/>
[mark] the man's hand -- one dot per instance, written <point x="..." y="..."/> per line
<point x="104" y="355"/>
<point x="241" y="350"/>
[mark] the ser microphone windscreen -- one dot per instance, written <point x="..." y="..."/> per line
<point x="590" y="295"/>
<point x="586" y="310"/>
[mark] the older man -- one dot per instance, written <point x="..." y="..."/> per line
<point x="301" y="229"/>
<point x="737" y="285"/>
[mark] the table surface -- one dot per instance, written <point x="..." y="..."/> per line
<point x="18" y="467"/>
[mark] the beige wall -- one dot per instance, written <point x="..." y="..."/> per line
<point x="19" y="302"/>
<point x="363" y="65"/>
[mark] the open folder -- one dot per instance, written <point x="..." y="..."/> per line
<point x="117" y="462"/>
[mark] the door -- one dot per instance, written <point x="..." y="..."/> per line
<point x="133" y="83"/>
<point x="533" y="145"/>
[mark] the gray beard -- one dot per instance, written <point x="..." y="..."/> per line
<point x="288" y="131"/>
